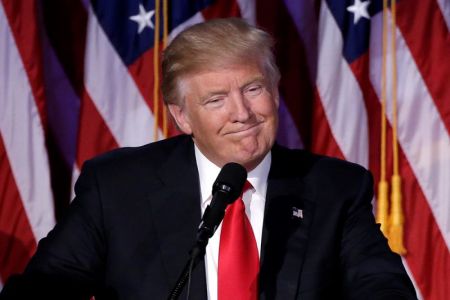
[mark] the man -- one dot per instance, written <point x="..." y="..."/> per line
<point x="136" y="211"/>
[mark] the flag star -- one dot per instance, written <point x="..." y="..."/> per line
<point x="360" y="10"/>
<point x="143" y="18"/>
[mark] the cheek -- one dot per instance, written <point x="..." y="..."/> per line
<point x="206" y="123"/>
<point x="268" y="108"/>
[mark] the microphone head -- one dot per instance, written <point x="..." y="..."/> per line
<point x="231" y="180"/>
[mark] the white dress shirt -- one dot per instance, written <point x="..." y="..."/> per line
<point x="254" y="200"/>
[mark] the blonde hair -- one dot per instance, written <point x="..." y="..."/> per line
<point x="213" y="45"/>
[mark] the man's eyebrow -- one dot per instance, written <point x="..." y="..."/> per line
<point x="212" y="94"/>
<point x="255" y="79"/>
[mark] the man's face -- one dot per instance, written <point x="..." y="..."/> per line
<point x="231" y="113"/>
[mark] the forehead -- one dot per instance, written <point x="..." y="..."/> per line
<point x="221" y="79"/>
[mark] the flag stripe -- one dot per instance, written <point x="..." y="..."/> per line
<point x="347" y="115"/>
<point x="416" y="35"/>
<point x="94" y="136"/>
<point x="17" y="242"/>
<point x="20" y="118"/>
<point x="421" y="132"/>
<point x="360" y="67"/>
<point x="445" y="8"/>
<point x="323" y="140"/>
<point x="141" y="70"/>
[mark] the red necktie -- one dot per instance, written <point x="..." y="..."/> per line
<point x="238" y="255"/>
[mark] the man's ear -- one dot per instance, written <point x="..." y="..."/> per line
<point x="179" y="115"/>
<point x="276" y="97"/>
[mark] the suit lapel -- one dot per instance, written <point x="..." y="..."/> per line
<point x="288" y="215"/>
<point x="175" y="206"/>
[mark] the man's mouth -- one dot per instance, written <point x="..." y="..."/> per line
<point x="247" y="130"/>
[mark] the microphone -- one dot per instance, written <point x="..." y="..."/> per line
<point x="226" y="189"/>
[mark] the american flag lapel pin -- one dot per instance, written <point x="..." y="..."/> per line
<point x="297" y="213"/>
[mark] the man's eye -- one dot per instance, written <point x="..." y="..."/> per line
<point x="254" y="90"/>
<point x="213" y="102"/>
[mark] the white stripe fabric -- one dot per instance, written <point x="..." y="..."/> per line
<point x="197" y="18"/>
<point x="75" y="174"/>
<point x="346" y="114"/>
<point x="421" y="132"/>
<point x="405" y="264"/>
<point x="23" y="135"/>
<point x="445" y="10"/>
<point x="123" y="108"/>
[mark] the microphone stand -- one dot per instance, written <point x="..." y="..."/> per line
<point x="196" y="254"/>
<point x="212" y="217"/>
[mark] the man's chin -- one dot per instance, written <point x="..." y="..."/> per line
<point x="249" y="160"/>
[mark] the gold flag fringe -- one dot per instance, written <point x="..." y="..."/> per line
<point x="391" y="224"/>
<point x="383" y="201"/>
<point x="156" y="72"/>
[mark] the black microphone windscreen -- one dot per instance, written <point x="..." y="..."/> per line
<point x="232" y="175"/>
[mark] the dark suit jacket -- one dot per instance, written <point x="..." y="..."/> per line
<point x="134" y="219"/>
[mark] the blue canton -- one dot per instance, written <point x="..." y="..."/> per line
<point x="356" y="36"/>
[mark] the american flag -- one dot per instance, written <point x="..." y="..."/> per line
<point x="77" y="79"/>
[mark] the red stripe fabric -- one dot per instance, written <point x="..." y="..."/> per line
<point x="430" y="48"/>
<point x="360" y="67"/>
<point x="222" y="9"/>
<point x="94" y="136"/>
<point x="323" y="141"/>
<point x="22" y="17"/>
<point x="17" y="242"/>
<point x="142" y="72"/>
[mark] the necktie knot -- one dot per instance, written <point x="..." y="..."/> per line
<point x="247" y="186"/>
<point x="239" y="203"/>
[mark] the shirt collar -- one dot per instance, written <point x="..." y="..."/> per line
<point x="208" y="172"/>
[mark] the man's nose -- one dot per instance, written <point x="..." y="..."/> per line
<point x="241" y="109"/>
